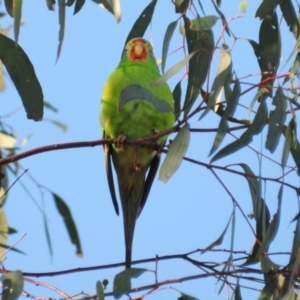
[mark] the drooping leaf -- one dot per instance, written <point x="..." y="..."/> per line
<point x="50" y="106"/>
<point x="3" y="232"/>
<point x="237" y="293"/>
<point x="122" y="281"/>
<point x="261" y="212"/>
<point x="142" y="23"/>
<point x="257" y="126"/>
<point x="61" y="21"/>
<point x="65" y="212"/>
<point x="293" y="70"/>
<point x="268" y="53"/>
<point x="135" y="91"/>
<point x="12" y="285"/>
<point x="167" y="38"/>
<point x="267" y="265"/>
<point x="266" y="8"/>
<point x="23" y="76"/>
<point x="116" y="7"/>
<point x="70" y="2"/>
<point x="288" y="142"/>
<point x="78" y="6"/>
<point x="290" y="16"/>
<point x="2" y="81"/>
<point x="177" y="99"/>
<point x="47" y="232"/>
<point x="9" y="7"/>
<point x="99" y="290"/>
<point x="175" y="154"/>
<point x="219" y="240"/>
<point x="17" y="11"/>
<point x="200" y="42"/>
<point x="224" y="70"/>
<point x="185" y="296"/>
<point x="232" y="102"/>
<point x="181" y="6"/>
<point x="223" y="18"/>
<point x="59" y="124"/>
<point x="201" y="23"/>
<point x="276" y="120"/>
<point x="172" y="71"/>
<point x="50" y="4"/>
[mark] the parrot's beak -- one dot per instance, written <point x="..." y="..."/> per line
<point x="138" y="49"/>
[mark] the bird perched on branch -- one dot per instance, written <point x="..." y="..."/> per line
<point x="133" y="108"/>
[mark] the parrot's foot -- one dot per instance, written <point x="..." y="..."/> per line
<point x="120" y="140"/>
<point x="154" y="130"/>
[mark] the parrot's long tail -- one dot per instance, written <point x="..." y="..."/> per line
<point x="131" y="203"/>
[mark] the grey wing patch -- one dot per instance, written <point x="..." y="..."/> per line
<point x="109" y="174"/>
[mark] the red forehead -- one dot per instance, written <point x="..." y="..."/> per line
<point x="139" y="40"/>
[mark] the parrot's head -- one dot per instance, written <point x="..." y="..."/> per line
<point x="138" y="50"/>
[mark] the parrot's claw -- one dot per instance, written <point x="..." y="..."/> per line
<point x="120" y="140"/>
<point x="154" y="130"/>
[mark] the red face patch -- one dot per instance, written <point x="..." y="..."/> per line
<point x="138" y="50"/>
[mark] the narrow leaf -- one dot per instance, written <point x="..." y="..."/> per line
<point x="9" y="7"/>
<point x="167" y="38"/>
<point x="289" y="139"/>
<point x="276" y="120"/>
<point x="99" y="290"/>
<point x="257" y="126"/>
<point x="65" y="212"/>
<point x="50" y="4"/>
<point x="78" y="6"/>
<point x="224" y="70"/>
<point x="290" y="16"/>
<point x="172" y="71"/>
<point x="23" y="76"/>
<point x="122" y="281"/>
<point x="3" y="233"/>
<point x="175" y="154"/>
<point x="7" y="141"/>
<point x="177" y="99"/>
<point x="200" y="42"/>
<point x="116" y="7"/>
<point x="142" y="23"/>
<point x="17" y="11"/>
<point x="219" y="240"/>
<point x="61" y="20"/>
<point x="266" y="8"/>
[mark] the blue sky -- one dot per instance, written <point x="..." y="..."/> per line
<point x="187" y="213"/>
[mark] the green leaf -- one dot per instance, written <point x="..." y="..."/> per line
<point x="185" y="296"/>
<point x="224" y="70"/>
<point x="2" y="81"/>
<point x="116" y="7"/>
<point x="122" y="281"/>
<point x="201" y="23"/>
<point x="200" y="42"/>
<point x="266" y="8"/>
<point x="9" y="7"/>
<point x="12" y="283"/>
<point x="99" y="290"/>
<point x="293" y="70"/>
<point x="172" y="71"/>
<point x="257" y="126"/>
<point x="276" y="120"/>
<point x="70" y="2"/>
<point x="288" y="142"/>
<point x="229" y="111"/>
<point x="260" y="211"/>
<point x="22" y="74"/>
<point x="181" y="6"/>
<point x="268" y="52"/>
<point x="175" y="154"/>
<point x="290" y="16"/>
<point x="61" y="19"/>
<point x="142" y="23"/>
<point x="237" y="293"/>
<point x="50" y="4"/>
<point x="65" y="212"/>
<point x="17" y="11"/>
<point x="47" y="232"/>
<point x="267" y="265"/>
<point x="137" y="92"/>
<point x="60" y="125"/>
<point x="3" y="233"/>
<point x="243" y="6"/>
<point x="177" y="99"/>
<point x="167" y="38"/>
<point x="50" y="106"/>
<point x="78" y="6"/>
<point x="219" y="240"/>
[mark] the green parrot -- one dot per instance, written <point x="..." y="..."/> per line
<point x="132" y="108"/>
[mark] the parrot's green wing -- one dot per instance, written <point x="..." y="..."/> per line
<point x="133" y="108"/>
